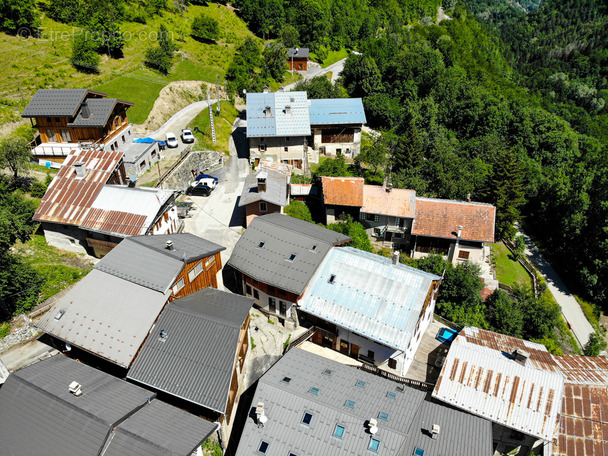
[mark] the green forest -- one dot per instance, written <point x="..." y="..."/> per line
<point x="503" y="101"/>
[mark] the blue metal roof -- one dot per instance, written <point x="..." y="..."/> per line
<point x="369" y="295"/>
<point x="277" y="114"/>
<point x="337" y="111"/>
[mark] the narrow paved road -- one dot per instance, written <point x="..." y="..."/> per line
<point x="175" y="124"/>
<point x="315" y="70"/>
<point x="571" y="310"/>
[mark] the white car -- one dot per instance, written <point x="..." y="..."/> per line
<point x="187" y="136"/>
<point x="171" y="140"/>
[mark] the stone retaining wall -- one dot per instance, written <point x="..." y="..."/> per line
<point x="200" y="162"/>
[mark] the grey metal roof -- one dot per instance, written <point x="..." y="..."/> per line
<point x="105" y="315"/>
<point x="146" y="261"/>
<point x="369" y="295"/>
<point x="40" y="415"/>
<point x="282" y="236"/>
<point x="159" y="429"/>
<point x="336" y="111"/>
<point x="186" y="246"/>
<point x="286" y="403"/>
<point x="298" y="52"/>
<point x="100" y="110"/>
<point x="277" y="114"/>
<point x="466" y="434"/>
<point x="276" y="188"/>
<point x="56" y="102"/>
<point x="196" y="358"/>
<point x="134" y="151"/>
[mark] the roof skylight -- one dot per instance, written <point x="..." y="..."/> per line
<point x="360" y="383"/>
<point x="349" y="403"/>
<point x="261" y="245"/>
<point x="314" y="390"/>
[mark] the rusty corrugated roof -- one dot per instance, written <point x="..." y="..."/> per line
<point x="68" y="198"/>
<point x="395" y="202"/>
<point x="583" y="429"/>
<point x="441" y="218"/>
<point x="343" y="191"/>
<point x="483" y="379"/>
<point x="539" y="356"/>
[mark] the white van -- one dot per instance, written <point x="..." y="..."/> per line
<point x="208" y="181"/>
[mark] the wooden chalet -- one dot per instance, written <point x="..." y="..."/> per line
<point x="70" y="119"/>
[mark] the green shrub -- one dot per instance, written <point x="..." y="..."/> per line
<point x="5" y="329"/>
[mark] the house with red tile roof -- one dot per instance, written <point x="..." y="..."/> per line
<point x="342" y="195"/>
<point x="457" y="229"/>
<point x="388" y="213"/>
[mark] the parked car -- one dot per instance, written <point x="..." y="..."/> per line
<point x="446" y="335"/>
<point x="171" y="140"/>
<point x="207" y="180"/>
<point x="199" y="190"/>
<point x="187" y="136"/>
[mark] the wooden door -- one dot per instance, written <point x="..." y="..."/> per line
<point x="354" y="351"/>
<point x="344" y="347"/>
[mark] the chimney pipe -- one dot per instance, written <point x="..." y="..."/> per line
<point x="85" y="111"/>
<point x="287" y="109"/>
<point x="396" y="257"/>
<point x="435" y="431"/>
<point x="81" y="171"/>
<point x="265" y="89"/>
<point x="169" y="245"/>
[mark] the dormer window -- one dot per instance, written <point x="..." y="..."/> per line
<point x="261" y="245"/>
<point x="291" y="257"/>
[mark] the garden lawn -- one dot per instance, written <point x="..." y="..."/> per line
<point x="508" y="272"/>
<point x="57" y="268"/>
<point x="36" y="63"/>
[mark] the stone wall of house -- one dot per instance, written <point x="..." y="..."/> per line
<point x="197" y="161"/>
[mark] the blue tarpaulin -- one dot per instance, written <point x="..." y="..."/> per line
<point x="144" y="140"/>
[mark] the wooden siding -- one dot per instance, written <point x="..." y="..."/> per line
<point x="272" y="291"/>
<point x="299" y="63"/>
<point x="117" y="122"/>
<point x="337" y="135"/>
<point x="207" y="277"/>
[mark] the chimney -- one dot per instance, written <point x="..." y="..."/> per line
<point x="162" y="336"/>
<point x="132" y="180"/>
<point x="81" y="171"/>
<point x="169" y="245"/>
<point x="373" y="426"/>
<point x="396" y="257"/>
<point x="520" y="356"/>
<point x="469" y="197"/>
<point x="281" y="89"/>
<point x="265" y="89"/>
<point x="295" y="52"/>
<point x="459" y="235"/>
<point x="267" y="111"/>
<point x="84" y="110"/>
<point x="76" y="389"/>
<point x="287" y="109"/>
<point x="260" y="415"/>
<point x="435" y="431"/>
<point x="262" y="181"/>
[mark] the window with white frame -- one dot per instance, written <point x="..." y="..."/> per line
<point x="209" y="261"/>
<point x="195" y="271"/>
<point x="178" y="286"/>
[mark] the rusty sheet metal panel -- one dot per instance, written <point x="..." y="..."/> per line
<point x="583" y="429"/>
<point x="69" y="198"/>
<point x="584" y="370"/>
<point x="117" y="222"/>
<point x="488" y="383"/>
<point x="539" y="356"/>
